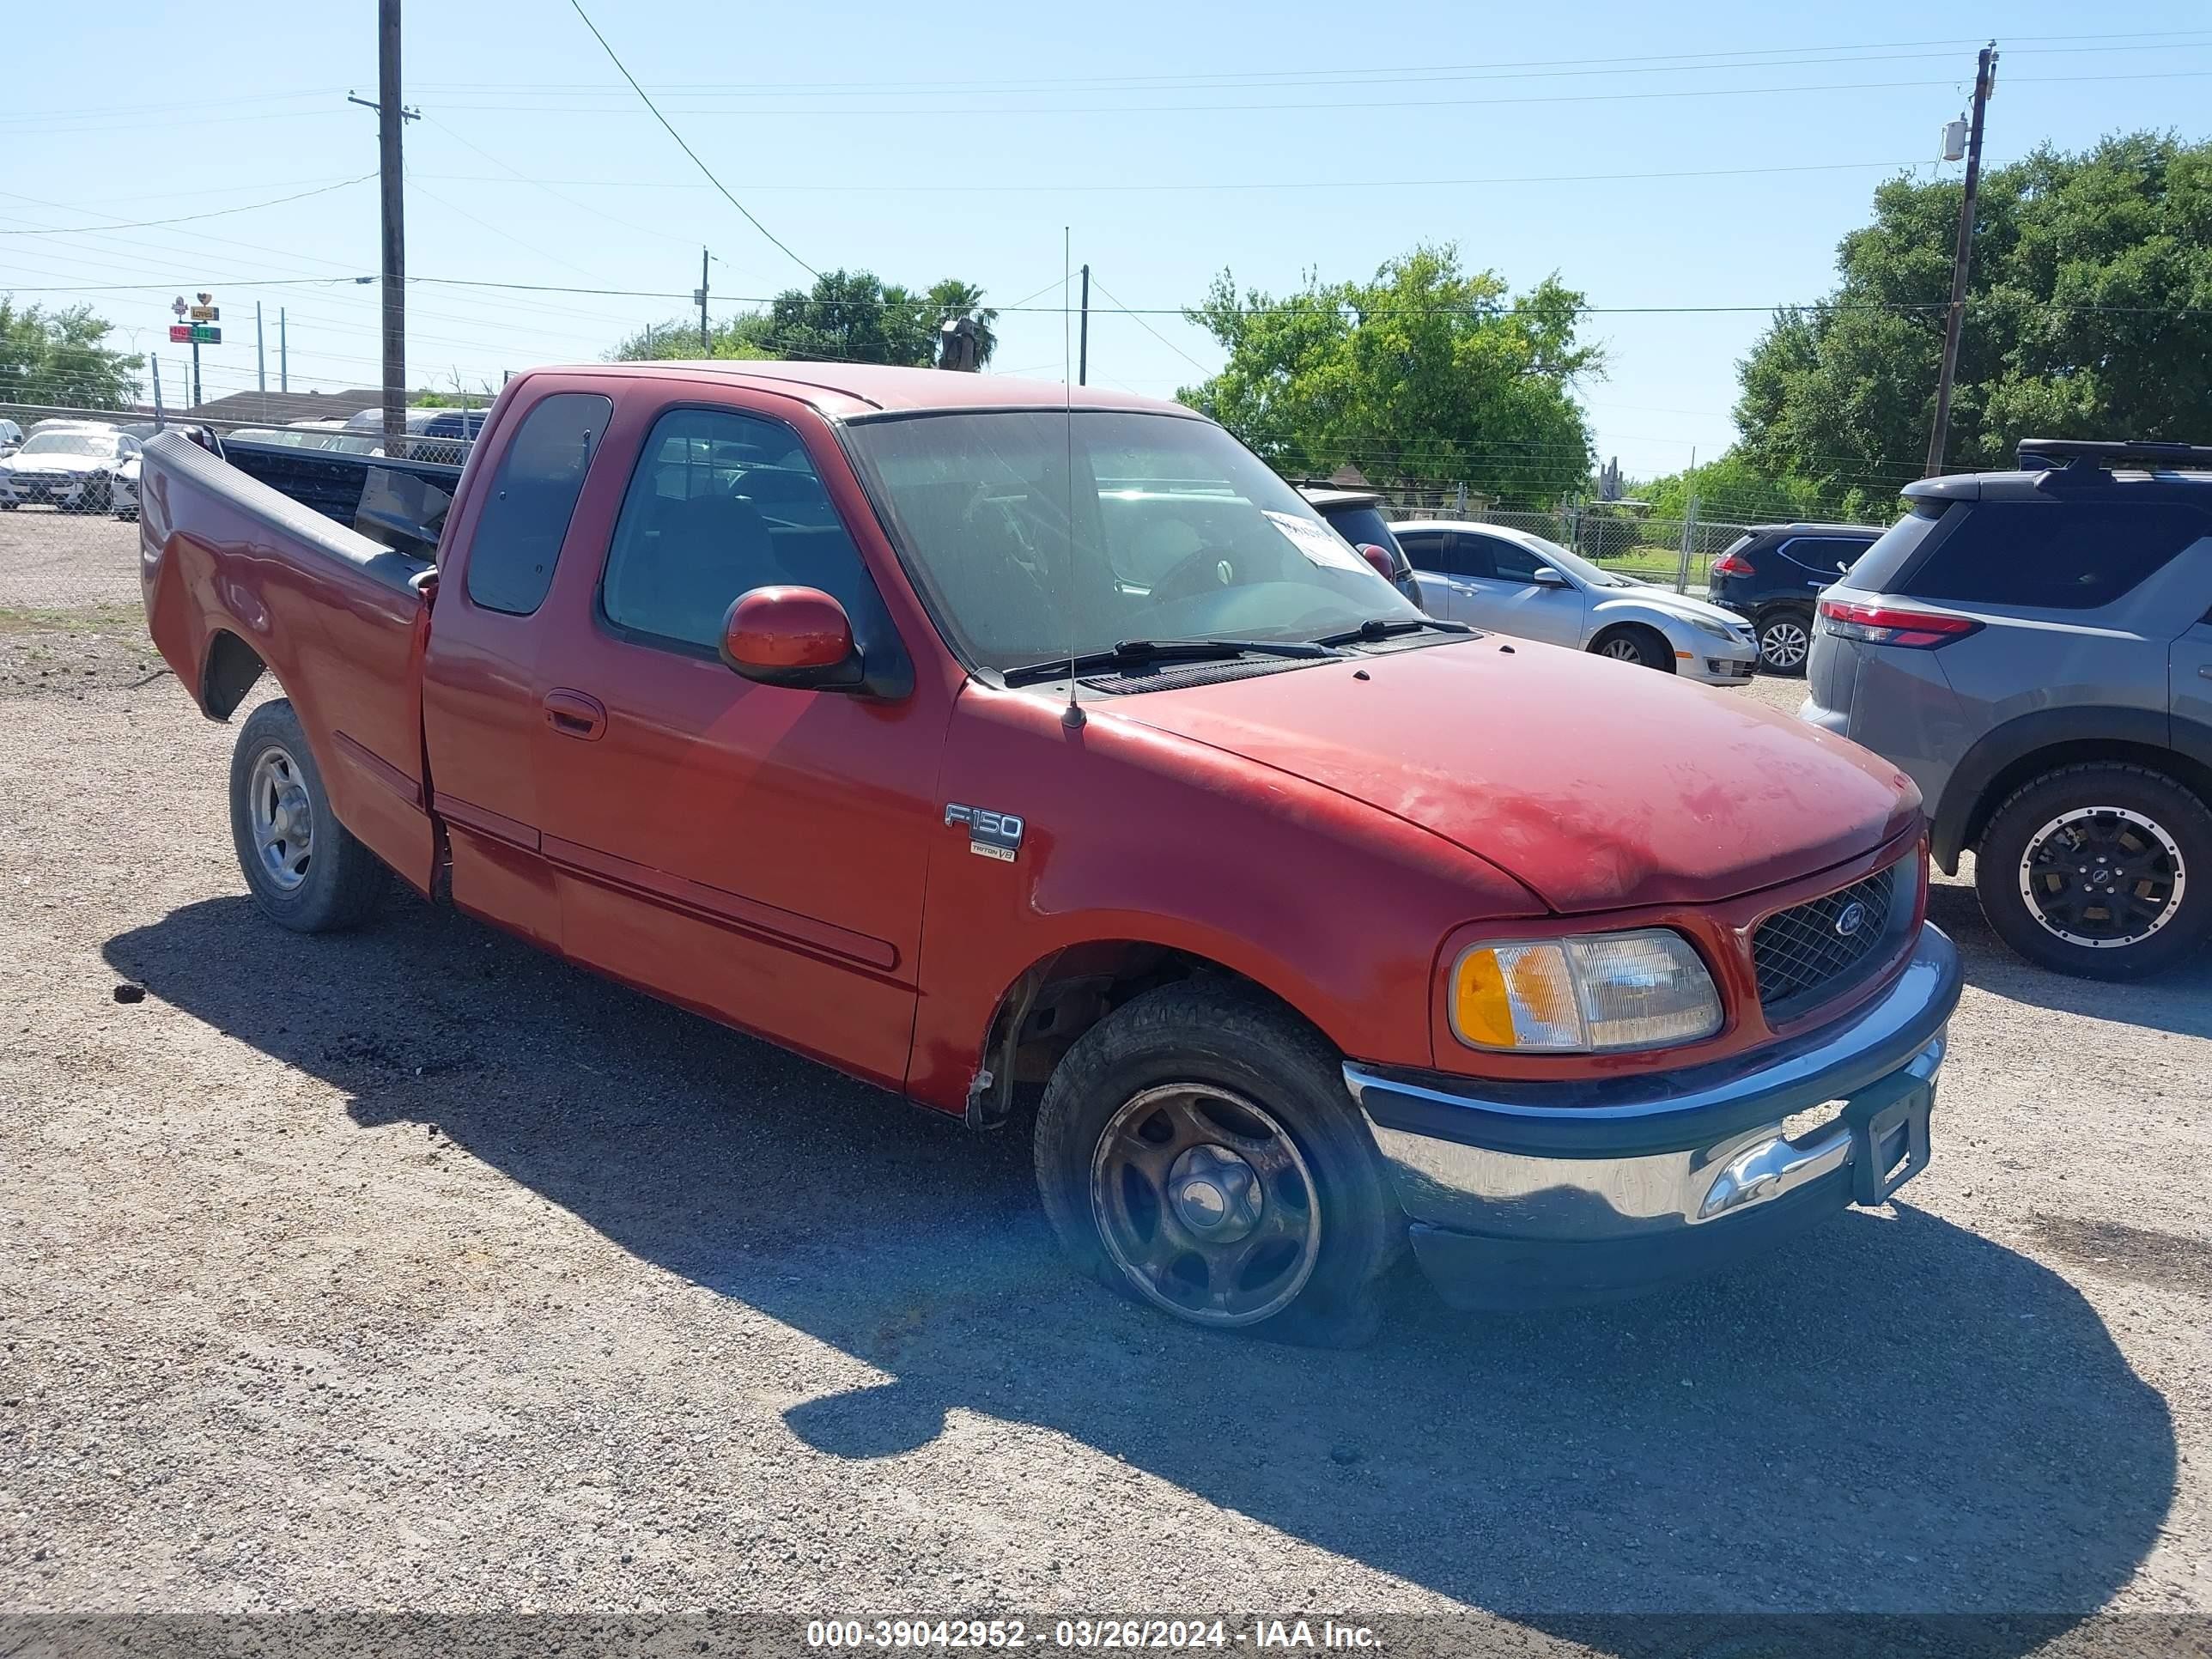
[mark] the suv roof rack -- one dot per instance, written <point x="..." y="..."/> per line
<point x="2037" y="455"/>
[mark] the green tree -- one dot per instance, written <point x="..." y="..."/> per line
<point x="1731" y="489"/>
<point x="56" y="359"/>
<point x="2089" y="315"/>
<point x="1427" y="374"/>
<point x="845" y="317"/>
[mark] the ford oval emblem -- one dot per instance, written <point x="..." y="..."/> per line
<point x="1850" y="919"/>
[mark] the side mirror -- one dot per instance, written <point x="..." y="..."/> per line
<point x="791" y="636"/>
<point x="1385" y="566"/>
<point x="1545" y="576"/>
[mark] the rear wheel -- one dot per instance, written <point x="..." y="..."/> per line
<point x="1785" y="639"/>
<point x="2101" y="871"/>
<point x="305" y="869"/>
<point x="1636" y="645"/>
<point x="1196" y="1149"/>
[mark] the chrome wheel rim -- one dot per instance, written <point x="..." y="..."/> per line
<point x="1622" y="649"/>
<point x="1205" y="1204"/>
<point x="2102" y="878"/>
<point x="283" y="820"/>
<point x="1784" y="644"/>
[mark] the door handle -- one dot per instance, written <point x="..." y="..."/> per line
<point x="2204" y="671"/>
<point x="572" y="714"/>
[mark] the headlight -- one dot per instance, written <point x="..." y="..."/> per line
<point x="1719" y="630"/>
<point x="1603" y="991"/>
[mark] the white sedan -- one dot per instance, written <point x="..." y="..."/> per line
<point x="1508" y="581"/>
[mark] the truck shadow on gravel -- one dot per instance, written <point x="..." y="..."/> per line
<point x="1893" y="1415"/>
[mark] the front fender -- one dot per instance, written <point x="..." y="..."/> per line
<point x="1131" y="834"/>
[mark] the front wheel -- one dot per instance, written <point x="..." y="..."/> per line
<point x="306" y="869"/>
<point x="1636" y="645"/>
<point x="1196" y="1149"/>
<point x="1785" y="638"/>
<point x="2100" y="870"/>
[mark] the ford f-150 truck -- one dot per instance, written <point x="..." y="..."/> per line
<point x="970" y="735"/>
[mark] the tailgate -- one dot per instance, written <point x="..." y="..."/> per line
<point x="239" y="579"/>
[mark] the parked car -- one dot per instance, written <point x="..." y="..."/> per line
<point x="122" y="488"/>
<point x="1325" y="925"/>
<point x="1512" y="582"/>
<point x="12" y="436"/>
<point x="70" y="467"/>
<point x="1357" y="515"/>
<point x="2035" y="649"/>
<point x="1772" y="576"/>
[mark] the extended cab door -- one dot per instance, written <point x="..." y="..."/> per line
<point x="755" y="851"/>
<point x="481" y="686"/>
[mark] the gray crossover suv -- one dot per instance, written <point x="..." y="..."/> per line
<point x="2035" y="649"/>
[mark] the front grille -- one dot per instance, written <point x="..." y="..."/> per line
<point x="1802" y="958"/>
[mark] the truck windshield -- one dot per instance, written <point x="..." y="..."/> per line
<point x="1036" y="533"/>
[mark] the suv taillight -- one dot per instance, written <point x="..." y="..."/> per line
<point x="1732" y="564"/>
<point x="1881" y="624"/>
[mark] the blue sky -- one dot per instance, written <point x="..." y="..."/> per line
<point x="1705" y="156"/>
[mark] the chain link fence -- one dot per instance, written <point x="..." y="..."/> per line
<point x="1677" y="553"/>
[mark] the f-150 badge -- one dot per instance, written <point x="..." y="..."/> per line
<point x="990" y="834"/>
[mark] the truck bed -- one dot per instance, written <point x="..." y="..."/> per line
<point x="239" y="579"/>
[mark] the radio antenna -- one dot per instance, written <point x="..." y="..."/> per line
<point x="1071" y="717"/>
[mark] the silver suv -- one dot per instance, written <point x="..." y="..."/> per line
<point x="2035" y="649"/>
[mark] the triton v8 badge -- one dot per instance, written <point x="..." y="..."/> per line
<point x="990" y="835"/>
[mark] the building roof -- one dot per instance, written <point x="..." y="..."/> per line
<point x="282" y="408"/>
<point x="860" y="389"/>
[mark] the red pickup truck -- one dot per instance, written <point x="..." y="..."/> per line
<point x="966" y="738"/>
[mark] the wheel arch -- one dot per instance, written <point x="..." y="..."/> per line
<point x="1613" y="626"/>
<point x="229" y="670"/>
<point x="1062" y="994"/>
<point x="2006" y="759"/>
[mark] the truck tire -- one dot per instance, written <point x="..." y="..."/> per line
<point x="306" y="871"/>
<point x="2102" y="871"/>
<point x="1785" y="636"/>
<point x="1633" y="643"/>
<point x="1196" y="1149"/>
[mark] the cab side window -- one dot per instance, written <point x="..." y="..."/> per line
<point x="533" y="496"/>
<point x="721" y="503"/>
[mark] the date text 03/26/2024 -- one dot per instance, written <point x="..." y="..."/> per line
<point x="1125" y="1635"/>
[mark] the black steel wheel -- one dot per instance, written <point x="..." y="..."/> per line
<point x="1196" y="1149"/>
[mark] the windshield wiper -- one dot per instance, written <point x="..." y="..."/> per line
<point x="1385" y="627"/>
<point x="1131" y="653"/>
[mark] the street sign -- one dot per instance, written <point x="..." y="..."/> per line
<point x="179" y="307"/>
<point x="207" y="314"/>
<point x="180" y="334"/>
<point x="194" y="334"/>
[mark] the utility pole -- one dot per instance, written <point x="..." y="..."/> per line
<point x="389" y="117"/>
<point x="1961" y="259"/>
<point x="157" y="389"/>
<point x="706" y="345"/>
<point x="1083" y="354"/>
<point x="260" y="361"/>
<point x="283" y="357"/>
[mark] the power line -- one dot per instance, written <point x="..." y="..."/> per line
<point x="185" y="218"/>
<point x="685" y="148"/>
<point x="1149" y="329"/>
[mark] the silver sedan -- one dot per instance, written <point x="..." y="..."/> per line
<point x="1508" y="581"/>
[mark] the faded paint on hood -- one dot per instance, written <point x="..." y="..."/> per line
<point x="1599" y="784"/>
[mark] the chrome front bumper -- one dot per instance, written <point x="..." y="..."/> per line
<point x="1519" y="1192"/>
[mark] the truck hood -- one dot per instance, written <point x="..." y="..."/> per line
<point x="1599" y="785"/>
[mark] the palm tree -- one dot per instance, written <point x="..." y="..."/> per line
<point x="951" y="300"/>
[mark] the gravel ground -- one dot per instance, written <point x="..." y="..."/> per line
<point x="411" y="1270"/>
<point x="52" y="561"/>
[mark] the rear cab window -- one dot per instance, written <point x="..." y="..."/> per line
<point x="518" y="535"/>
